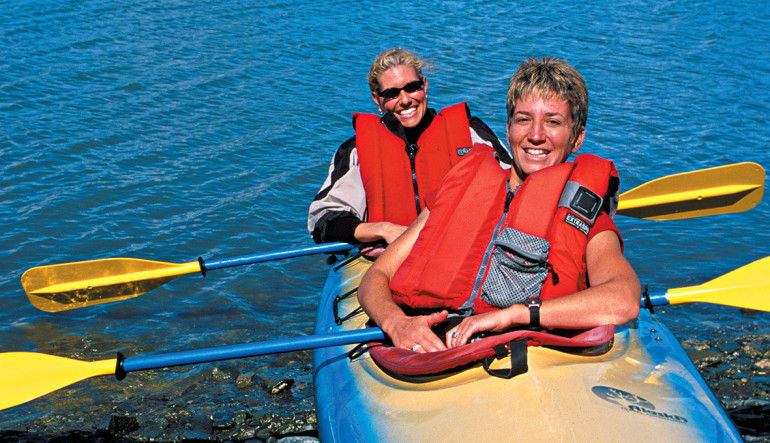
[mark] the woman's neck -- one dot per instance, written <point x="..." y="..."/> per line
<point x="413" y="134"/>
<point x="409" y="135"/>
<point x="515" y="180"/>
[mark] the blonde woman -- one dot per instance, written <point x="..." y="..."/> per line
<point x="379" y="178"/>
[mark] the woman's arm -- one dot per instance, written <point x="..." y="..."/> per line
<point x="376" y="299"/>
<point x="612" y="298"/>
<point x="337" y="211"/>
<point x="373" y="231"/>
<point x="339" y="206"/>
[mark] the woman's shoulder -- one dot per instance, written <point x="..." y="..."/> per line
<point x="346" y="148"/>
<point x="487" y="136"/>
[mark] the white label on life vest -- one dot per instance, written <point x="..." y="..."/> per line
<point x="576" y="222"/>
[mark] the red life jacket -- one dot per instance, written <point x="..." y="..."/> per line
<point x="449" y="262"/>
<point x="395" y="184"/>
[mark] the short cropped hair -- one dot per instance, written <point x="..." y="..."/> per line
<point x="548" y="76"/>
<point x="390" y="58"/>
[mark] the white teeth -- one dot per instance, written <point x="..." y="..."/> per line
<point x="536" y="152"/>
<point x="407" y="112"/>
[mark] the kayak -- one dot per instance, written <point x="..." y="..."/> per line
<point x="644" y="388"/>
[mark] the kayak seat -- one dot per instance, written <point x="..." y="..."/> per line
<point x="412" y="366"/>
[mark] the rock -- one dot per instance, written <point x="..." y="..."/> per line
<point x="728" y="347"/>
<point x="120" y="425"/>
<point x="244" y="380"/>
<point x="242" y="417"/>
<point x="128" y="407"/>
<point x="289" y="359"/>
<point x="247" y="435"/>
<point x="281" y="386"/>
<point x="261" y="382"/>
<point x="763" y="364"/>
<point x="220" y="375"/>
<point x="104" y="423"/>
<point x="189" y="389"/>
<point x="190" y="435"/>
<point x="154" y="428"/>
<point x="751" y="419"/>
<point x="742" y="363"/>
<point x="695" y="345"/>
<point x="222" y="420"/>
<point x="78" y="436"/>
<point x="201" y="423"/>
<point x="752" y="349"/>
<point x="298" y="439"/>
<point x="705" y="357"/>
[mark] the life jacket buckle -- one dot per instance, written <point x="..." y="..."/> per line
<point x="586" y="203"/>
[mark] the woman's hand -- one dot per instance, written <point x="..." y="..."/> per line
<point x="414" y="333"/>
<point x="390" y="231"/>
<point x="369" y="232"/>
<point x="489" y="321"/>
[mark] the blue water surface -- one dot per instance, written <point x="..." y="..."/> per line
<point x="176" y="129"/>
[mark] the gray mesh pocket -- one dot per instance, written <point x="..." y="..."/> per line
<point x="517" y="268"/>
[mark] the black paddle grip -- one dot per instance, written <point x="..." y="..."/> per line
<point x="120" y="373"/>
<point x="647" y="301"/>
<point x="202" y="265"/>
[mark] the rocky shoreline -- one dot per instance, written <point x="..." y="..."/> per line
<point x="738" y="373"/>
<point x="223" y="404"/>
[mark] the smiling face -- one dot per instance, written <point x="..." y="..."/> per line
<point x="408" y="107"/>
<point x="540" y="134"/>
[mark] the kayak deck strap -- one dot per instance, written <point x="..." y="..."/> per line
<point x="517" y="350"/>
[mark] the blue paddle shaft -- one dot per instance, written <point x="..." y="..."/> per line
<point x="276" y="255"/>
<point x="153" y="361"/>
<point x="657" y="299"/>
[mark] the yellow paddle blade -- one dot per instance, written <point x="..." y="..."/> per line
<point x="746" y="287"/>
<point x="721" y="190"/>
<point x="25" y="376"/>
<point x="75" y="285"/>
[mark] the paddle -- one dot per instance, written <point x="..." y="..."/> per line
<point x="27" y="375"/>
<point x="746" y="287"/>
<point x="720" y="190"/>
<point x="65" y="286"/>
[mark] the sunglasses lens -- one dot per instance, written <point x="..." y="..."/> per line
<point x="413" y="86"/>
<point x="391" y="93"/>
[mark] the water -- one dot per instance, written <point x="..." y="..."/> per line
<point x="168" y="131"/>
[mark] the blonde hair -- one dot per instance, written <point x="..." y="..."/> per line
<point x="548" y="76"/>
<point x="390" y="58"/>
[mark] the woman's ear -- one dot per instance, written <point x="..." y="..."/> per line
<point x="376" y="99"/>
<point x="579" y="140"/>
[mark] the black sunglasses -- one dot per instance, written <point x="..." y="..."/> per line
<point x="391" y="93"/>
